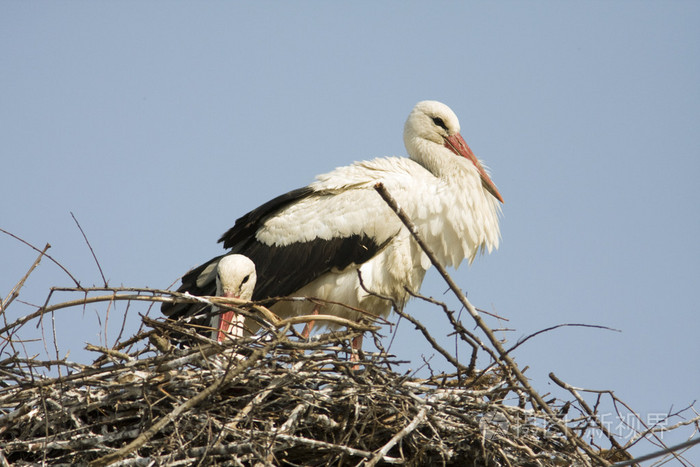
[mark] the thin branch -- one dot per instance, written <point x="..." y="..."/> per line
<point x="90" y="247"/>
<point x="462" y="332"/>
<point x="14" y="293"/>
<point x="557" y="326"/>
<point x="434" y="344"/>
<point x="418" y="419"/>
<point x="662" y="452"/>
<point x="77" y="284"/>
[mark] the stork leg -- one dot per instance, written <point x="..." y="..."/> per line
<point x="356" y="345"/>
<point x="309" y="325"/>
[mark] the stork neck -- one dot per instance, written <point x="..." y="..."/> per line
<point x="440" y="161"/>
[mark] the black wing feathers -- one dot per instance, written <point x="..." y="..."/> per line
<point x="281" y="270"/>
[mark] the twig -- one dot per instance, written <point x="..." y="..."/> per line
<point x="557" y="326"/>
<point x="463" y="333"/>
<point x="418" y="419"/>
<point x="653" y="455"/>
<point x="292" y="421"/>
<point x="233" y="424"/>
<point x="83" y="301"/>
<point x="77" y="284"/>
<point x="14" y="293"/>
<point x="434" y="343"/>
<point x="108" y="352"/>
<point x="329" y="319"/>
<point x="90" y="247"/>
<point x="323" y="445"/>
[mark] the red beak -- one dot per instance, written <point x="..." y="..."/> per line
<point x="226" y="321"/>
<point x="456" y="144"/>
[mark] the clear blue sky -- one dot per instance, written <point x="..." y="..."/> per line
<point x="159" y="123"/>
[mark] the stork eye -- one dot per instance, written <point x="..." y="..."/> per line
<point x="440" y="122"/>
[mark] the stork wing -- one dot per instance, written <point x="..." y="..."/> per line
<point x="301" y="235"/>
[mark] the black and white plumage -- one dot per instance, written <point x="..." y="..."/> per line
<point x="313" y="241"/>
<point x="235" y="278"/>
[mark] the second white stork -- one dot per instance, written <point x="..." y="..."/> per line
<point x="337" y="240"/>
<point x="235" y="278"/>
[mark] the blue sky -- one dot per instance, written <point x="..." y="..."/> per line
<point x="159" y="123"/>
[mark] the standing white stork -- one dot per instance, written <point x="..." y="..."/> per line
<point x="235" y="278"/>
<point x="318" y="240"/>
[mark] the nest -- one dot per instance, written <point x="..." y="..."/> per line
<point x="273" y="399"/>
<point x="270" y="399"/>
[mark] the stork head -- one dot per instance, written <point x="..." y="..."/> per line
<point x="431" y="135"/>
<point x="235" y="277"/>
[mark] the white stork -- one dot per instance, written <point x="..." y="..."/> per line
<point x="235" y="278"/>
<point x="318" y="240"/>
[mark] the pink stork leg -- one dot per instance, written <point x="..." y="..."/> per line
<point x="356" y="345"/>
<point x="309" y="325"/>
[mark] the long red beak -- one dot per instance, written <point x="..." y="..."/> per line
<point x="225" y="323"/>
<point x="456" y="144"/>
<point x="226" y="320"/>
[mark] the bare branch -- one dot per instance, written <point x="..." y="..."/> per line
<point x="14" y="293"/>
<point x="77" y="284"/>
<point x="662" y="452"/>
<point x="104" y="281"/>
<point x="551" y="328"/>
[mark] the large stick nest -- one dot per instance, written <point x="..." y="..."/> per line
<point x="271" y="399"/>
